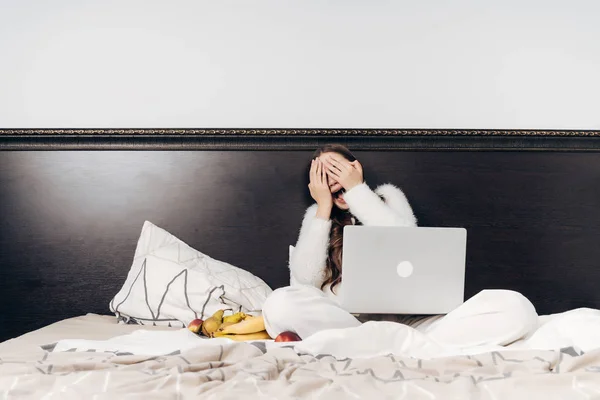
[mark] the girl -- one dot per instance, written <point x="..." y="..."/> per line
<point x="308" y="305"/>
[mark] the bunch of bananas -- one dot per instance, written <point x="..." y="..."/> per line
<point x="238" y="327"/>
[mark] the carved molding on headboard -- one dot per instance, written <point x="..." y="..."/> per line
<point x="298" y="139"/>
<point x="302" y="132"/>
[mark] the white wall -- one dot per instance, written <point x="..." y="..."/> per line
<point x="304" y="63"/>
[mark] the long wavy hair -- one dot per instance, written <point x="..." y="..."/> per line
<point x="339" y="219"/>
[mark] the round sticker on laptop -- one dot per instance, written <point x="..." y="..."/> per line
<point x="405" y="269"/>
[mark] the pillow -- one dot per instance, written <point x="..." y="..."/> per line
<point x="170" y="283"/>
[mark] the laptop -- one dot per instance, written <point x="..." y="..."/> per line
<point x="395" y="270"/>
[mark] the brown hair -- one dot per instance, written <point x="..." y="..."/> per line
<point x="339" y="219"/>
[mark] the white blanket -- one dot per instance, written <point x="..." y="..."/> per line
<point x="577" y="328"/>
<point x="142" y="342"/>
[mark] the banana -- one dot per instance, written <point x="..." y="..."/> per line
<point x="210" y="326"/>
<point x="235" y="318"/>
<point x="226" y="324"/>
<point x="249" y="325"/>
<point x="262" y="335"/>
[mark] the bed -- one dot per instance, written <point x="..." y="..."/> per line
<point x="73" y="203"/>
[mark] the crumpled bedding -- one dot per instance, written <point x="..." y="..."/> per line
<point x="327" y="367"/>
<point x="228" y="371"/>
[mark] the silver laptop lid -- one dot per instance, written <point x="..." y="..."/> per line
<point x="395" y="270"/>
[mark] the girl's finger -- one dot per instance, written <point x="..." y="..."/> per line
<point x="324" y="175"/>
<point x="313" y="169"/>
<point x="341" y="164"/>
<point x="334" y="164"/>
<point x="333" y="172"/>
<point x="328" y="162"/>
<point x="320" y="171"/>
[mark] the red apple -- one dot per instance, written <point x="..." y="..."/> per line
<point x="195" y="325"/>
<point x="288" y="336"/>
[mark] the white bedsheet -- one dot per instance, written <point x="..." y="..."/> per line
<point x="218" y="368"/>
<point x="578" y="328"/>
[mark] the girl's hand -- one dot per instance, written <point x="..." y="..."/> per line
<point x="319" y="185"/>
<point x="348" y="174"/>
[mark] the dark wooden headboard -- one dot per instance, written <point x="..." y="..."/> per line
<point x="72" y="204"/>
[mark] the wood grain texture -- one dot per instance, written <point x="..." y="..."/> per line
<point x="362" y="139"/>
<point x="70" y="220"/>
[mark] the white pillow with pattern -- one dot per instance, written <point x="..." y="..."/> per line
<point x="170" y="283"/>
